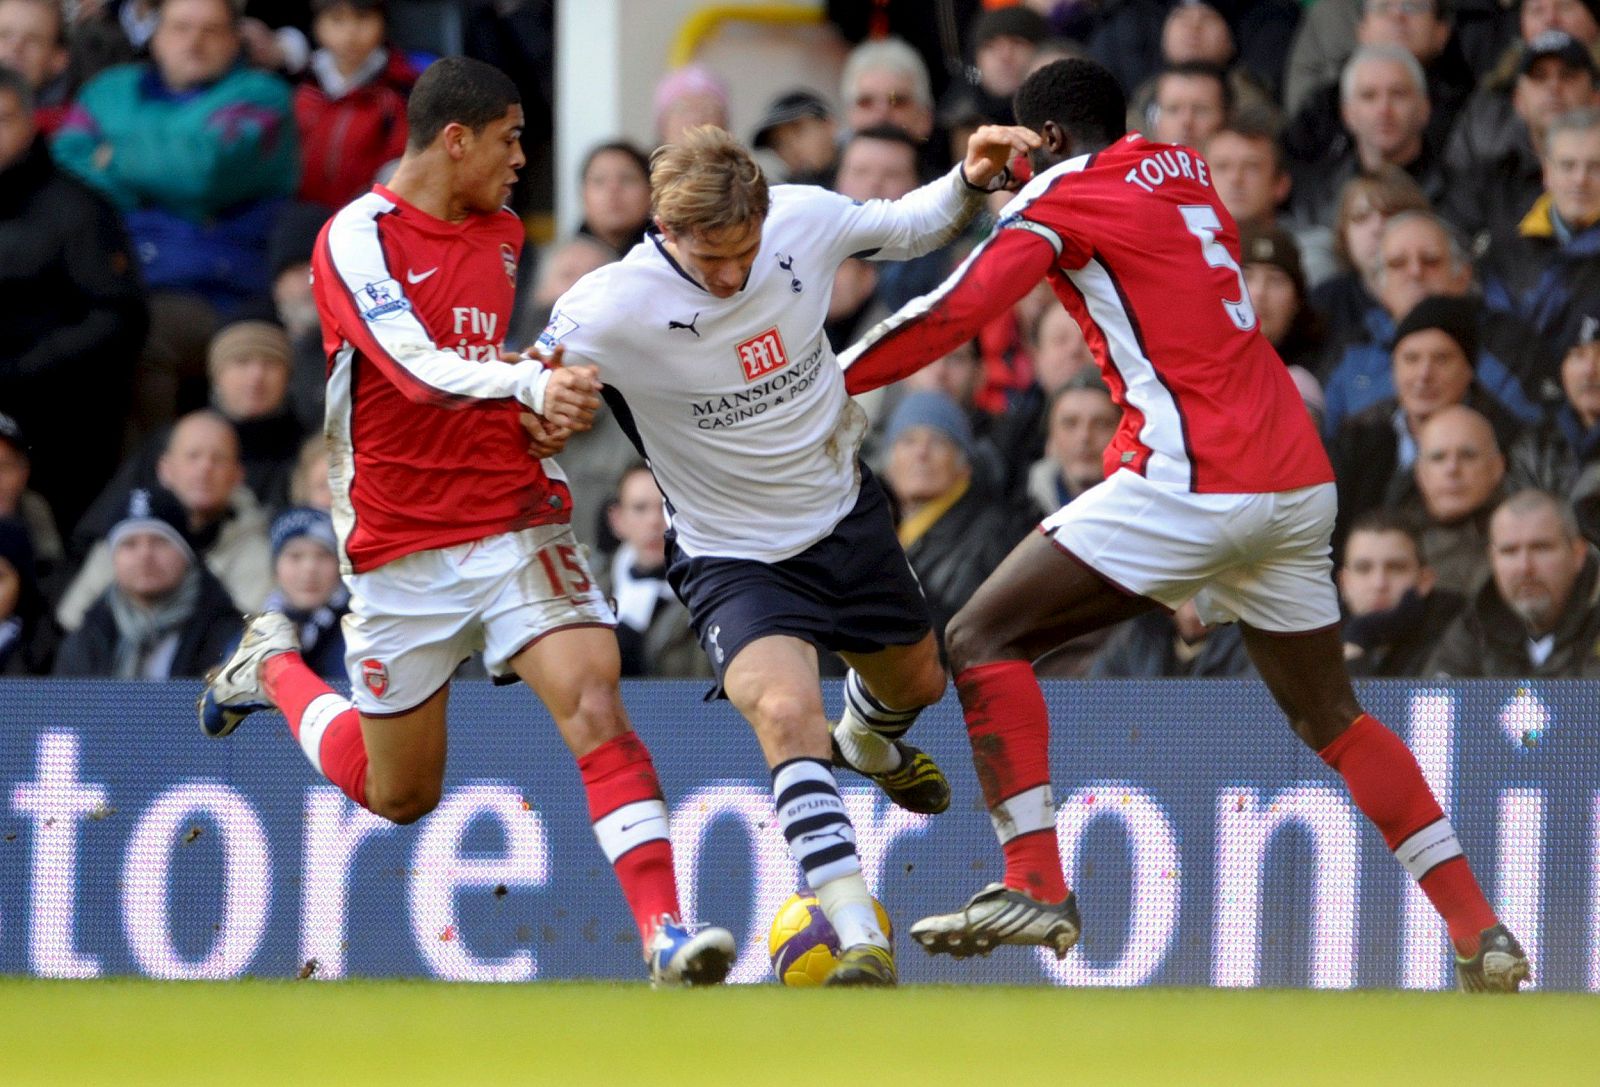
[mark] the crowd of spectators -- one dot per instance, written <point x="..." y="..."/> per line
<point x="1416" y="185"/>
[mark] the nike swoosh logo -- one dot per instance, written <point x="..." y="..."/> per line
<point x="624" y="828"/>
<point x="822" y="834"/>
<point x="413" y="279"/>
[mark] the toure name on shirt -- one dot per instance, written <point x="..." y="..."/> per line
<point x="782" y="387"/>
<point x="1163" y="166"/>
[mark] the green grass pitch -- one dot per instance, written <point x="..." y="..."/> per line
<point x="405" y="1033"/>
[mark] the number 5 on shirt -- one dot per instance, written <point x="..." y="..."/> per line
<point x="1202" y="221"/>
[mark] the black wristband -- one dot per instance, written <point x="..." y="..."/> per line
<point x="1001" y="180"/>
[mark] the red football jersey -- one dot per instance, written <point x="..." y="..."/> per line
<point x="425" y="449"/>
<point x="1140" y="250"/>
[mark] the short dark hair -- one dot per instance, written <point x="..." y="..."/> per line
<point x="617" y="147"/>
<point x="377" y="7"/>
<point x="887" y="133"/>
<point x="1251" y="125"/>
<point x="1382" y="520"/>
<point x="1079" y="95"/>
<point x="457" y="90"/>
<point x="1086" y="380"/>
<point x="12" y="82"/>
<point x="1196" y="69"/>
<point x="235" y="11"/>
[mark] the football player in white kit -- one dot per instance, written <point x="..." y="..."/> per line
<point x="709" y="340"/>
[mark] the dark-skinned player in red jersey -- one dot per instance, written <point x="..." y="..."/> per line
<point x="453" y="530"/>
<point x="1217" y="488"/>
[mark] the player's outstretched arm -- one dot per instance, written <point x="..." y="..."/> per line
<point x="988" y="282"/>
<point x="371" y="310"/>
<point x="936" y="213"/>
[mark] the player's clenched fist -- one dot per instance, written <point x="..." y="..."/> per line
<point x="572" y="397"/>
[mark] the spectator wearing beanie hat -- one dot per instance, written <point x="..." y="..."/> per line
<point x="250" y="364"/>
<point x="953" y="533"/>
<point x="689" y="96"/>
<point x="1277" y="282"/>
<point x="164" y="613"/>
<point x="1435" y="351"/>
<point x="797" y="140"/>
<point x="223" y="522"/>
<point x="1004" y="41"/>
<point x="305" y="569"/>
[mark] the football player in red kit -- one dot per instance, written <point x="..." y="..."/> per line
<point x="1217" y="488"/>
<point x="453" y="533"/>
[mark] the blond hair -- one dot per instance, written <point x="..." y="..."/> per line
<point x="706" y="183"/>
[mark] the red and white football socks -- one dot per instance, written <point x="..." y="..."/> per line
<point x="630" y="821"/>
<point x="325" y="725"/>
<point x="1387" y="785"/>
<point x="1009" y="728"/>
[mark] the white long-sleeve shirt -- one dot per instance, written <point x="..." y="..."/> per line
<point x="738" y="403"/>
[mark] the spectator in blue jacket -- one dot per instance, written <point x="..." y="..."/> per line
<point x="1419" y="255"/>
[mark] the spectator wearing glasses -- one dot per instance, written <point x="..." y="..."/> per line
<point x="886" y="83"/>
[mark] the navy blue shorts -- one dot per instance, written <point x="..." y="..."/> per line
<point x="852" y="591"/>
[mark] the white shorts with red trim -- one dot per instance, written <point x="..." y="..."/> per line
<point x="414" y="620"/>
<point x="1263" y="559"/>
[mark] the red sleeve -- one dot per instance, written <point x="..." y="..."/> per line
<point x="990" y="281"/>
<point x="390" y="334"/>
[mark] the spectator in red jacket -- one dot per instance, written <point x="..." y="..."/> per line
<point x="351" y="108"/>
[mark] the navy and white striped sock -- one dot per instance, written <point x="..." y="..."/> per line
<point x="867" y="732"/>
<point x="812" y="817"/>
<point x="821" y="838"/>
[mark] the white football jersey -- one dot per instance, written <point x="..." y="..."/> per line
<point x="738" y="403"/>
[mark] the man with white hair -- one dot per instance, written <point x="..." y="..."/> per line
<point x="1385" y="109"/>
<point x="885" y="82"/>
<point x="1539" y="614"/>
<point x="1426" y="29"/>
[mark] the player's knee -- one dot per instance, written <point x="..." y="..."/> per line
<point x="598" y="718"/>
<point x="966" y="643"/>
<point x="925" y="687"/>
<point x="404" y="806"/>
<point x="1319" y="728"/>
<point x="789" y="721"/>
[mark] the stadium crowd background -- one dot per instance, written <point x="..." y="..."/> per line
<point x="1417" y="186"/>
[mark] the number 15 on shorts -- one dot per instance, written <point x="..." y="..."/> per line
<point x="564" y="570"/>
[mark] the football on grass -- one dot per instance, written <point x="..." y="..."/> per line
<point x="802" y="943"/>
